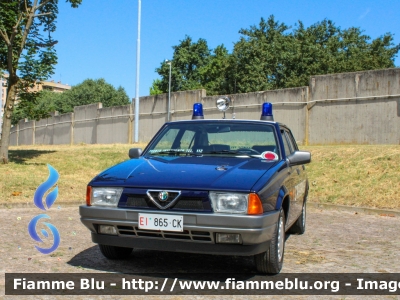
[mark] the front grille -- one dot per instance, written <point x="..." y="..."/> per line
<point x="183" y="203"/>
<point x="198" y="236"/>
<point x="189" y="203"/>
<point x="137" y="201"/>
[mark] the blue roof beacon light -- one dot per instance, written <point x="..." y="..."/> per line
<point x="267" y="112"/>
<point x="197" y="111"/>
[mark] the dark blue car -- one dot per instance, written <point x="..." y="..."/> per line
<point x="230" y="187"/>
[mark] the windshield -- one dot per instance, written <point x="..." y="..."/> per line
<point x="215" y="138"/>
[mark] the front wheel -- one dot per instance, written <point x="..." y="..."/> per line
<point x="114" y="252"/>
<point x="271" y="261"/>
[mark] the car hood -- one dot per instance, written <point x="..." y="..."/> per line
<point x="194" y="173"/>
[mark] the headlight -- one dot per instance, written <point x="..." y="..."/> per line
<point x="229" y="202"/>
<point x="105" y="196"/>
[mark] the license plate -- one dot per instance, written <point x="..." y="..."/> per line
<point x="161" y="222"/>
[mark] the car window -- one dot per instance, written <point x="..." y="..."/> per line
<point x="285" y="143"/>
<point x="289" y="141"/>
<point x="187" y="139"/>
<point x="243" y="139"/>
<point x="215" y="138"/>
<point x="166" y="141"/>
<point x="292" y="141"/>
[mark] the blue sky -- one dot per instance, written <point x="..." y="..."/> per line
<point x="98" y="39"/>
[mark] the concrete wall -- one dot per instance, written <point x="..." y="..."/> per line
<point x="153" y="111"/>
<point x="14" y="135"/>
<point x="44" y="134"/>
<point x="289" y="106"/>
<point x="113" y="125"/>
<point x="152" y="115"/>
<point x="25" y="135"/>
<point x="359" y="107"/>
<point x="54" y="130"/>
<point x="62" y="129"/>
<point x="85" y="123"/>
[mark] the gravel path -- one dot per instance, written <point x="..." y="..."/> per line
<point x="334" y="242"/>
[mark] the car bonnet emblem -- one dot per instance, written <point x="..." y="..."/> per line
<point x="163" y="199"/>
<point x="163" y="196"/>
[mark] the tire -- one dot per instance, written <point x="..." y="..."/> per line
<point x="299" y="227"/>
<point x="113" y="252"/>
<point x="271" y="261"/>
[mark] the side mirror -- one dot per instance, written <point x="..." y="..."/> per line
<point x="135" y="152"/>
<point x="299" y="158"/>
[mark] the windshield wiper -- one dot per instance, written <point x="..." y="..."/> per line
<point x="221" y="152"/>
<point x="178" y="153"/>
<point x="231" y="152"/>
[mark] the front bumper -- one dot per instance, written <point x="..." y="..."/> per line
<point x="199" y="231"/>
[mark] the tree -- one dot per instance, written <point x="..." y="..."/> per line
<point x="41" y="104"/>
<point x="259" y="58"/>
<point x="194" y="66"/>
<point x="271" y="55"/>
<point x="188" y="59"/>
<point x="35" y="106"/>
<point x="214" y="75"/>
<point x="313" y="51"/>
<point x="26" y="50"/>
<point x="91" y="91"/>
<point x="155" y="87"/>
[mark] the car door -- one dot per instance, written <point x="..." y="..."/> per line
<point x="290" y="181"/>
<point x="296" y="182"/>
<point x="301" y="186"/>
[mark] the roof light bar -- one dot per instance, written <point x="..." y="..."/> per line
<point x="267" y="112"/>
<point x="197" y="111"/>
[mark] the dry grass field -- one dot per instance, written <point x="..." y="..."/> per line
<point x="354" y="175"/>
<point x="77" y="165"/>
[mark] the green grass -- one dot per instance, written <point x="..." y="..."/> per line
<point x="355" y="175"/>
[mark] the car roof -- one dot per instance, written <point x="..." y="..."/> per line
<point x="228" y="120"/>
